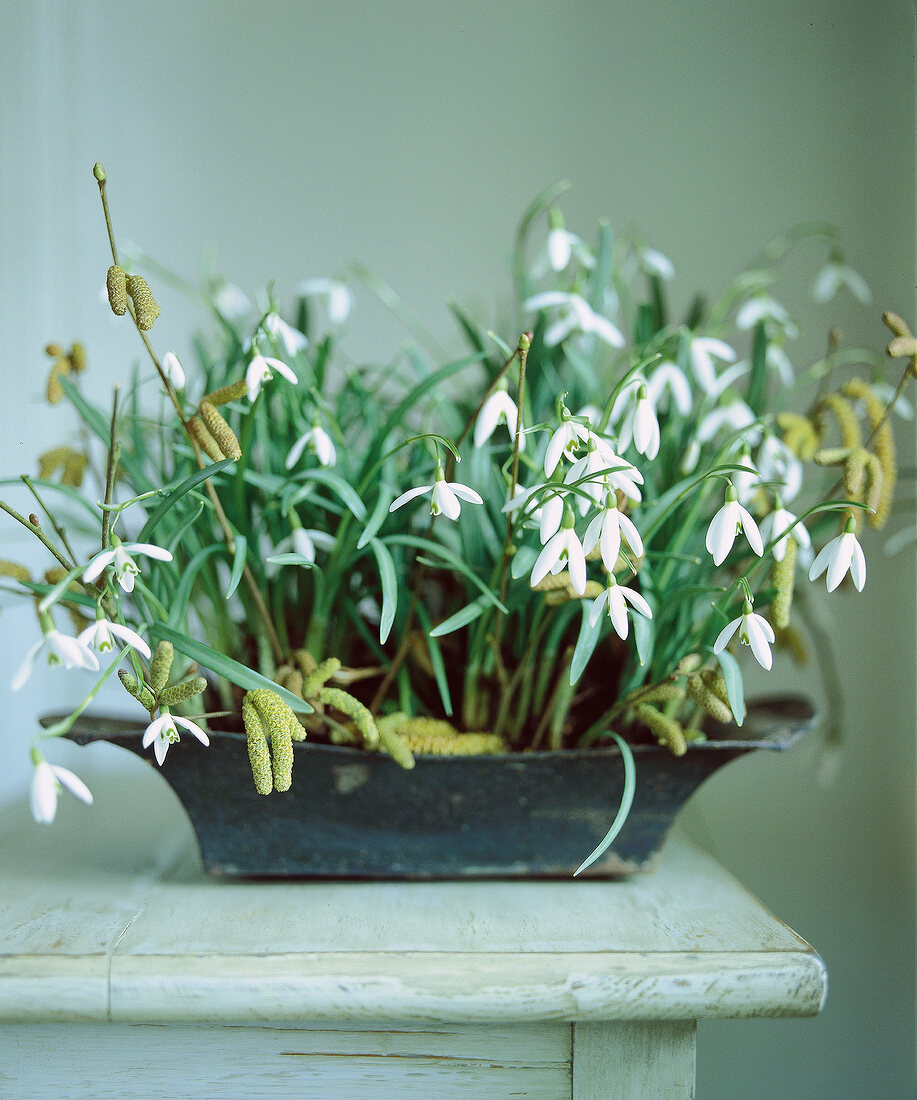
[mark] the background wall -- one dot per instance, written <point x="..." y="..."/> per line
<point x="293" y="138"/>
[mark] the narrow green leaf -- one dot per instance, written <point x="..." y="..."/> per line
<point x="341" y="488"/>
<point x="627" y="800"/>
<point x="290" y="559"/>
<point x="461" y="618"/>
<point x="585" y="644"/>
<point x="238" y="564"/>
<point x="236" y="673"/>
<point x="451" y="559"/>
<point x="176" y="495"/>
<point x="179" y="602"/>
<point x="644" y="638"/>
<point x="376" y="516"/>
<point x="522" y="562"/>
<point x="732" y="674"/>
<point x="436" y="660"/>
<point x="389" y="580"/>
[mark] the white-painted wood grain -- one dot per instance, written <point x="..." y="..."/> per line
<point x="623" y="1060"/>
<point x="103" y="1063"/>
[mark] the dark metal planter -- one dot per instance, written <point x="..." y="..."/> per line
<point x="352" y="814"/>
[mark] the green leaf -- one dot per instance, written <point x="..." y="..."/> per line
<point x="627" y="800"/>
<point x="732" y="674"/>
<point x="523" y="562"/>
<point x="236" y="673"/>
<point x="585" y="644"/>
<point x="238" y="564"/>
<point x="377" y="516"/>
<point x="389" y="580"/>
<point x="461" y="618"/>
<point x="644" y="638"/>
<point x="436" y="660"/>
<point x="176" y="495"/>
<point x="179" y="602"/>
<point x="757" y="379"/>
<point x="290" y="559"/>
<point x="341" y="488"/>
<point x="451" y="559"/>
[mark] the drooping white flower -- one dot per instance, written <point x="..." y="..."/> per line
<point x="337" y="295"/>
<point x="783" y="525"/>
<point x="645" y="426"/>
<point x="607" y="529"/>
<point x="777" y="463"/>
<point x="319" y="443"/>
<point x="498" y="408"/>
<point x="551" y="517"/>
<point x="835" y="275"/>
<point x="669" y="378"/>
<point x="576" y="315"/>
<point x="736" y="415"/>
<point x="125" y="567"/>
<point x="754" y="630"/>
<point x="777" y="359"/>
<point x="566" y="440"/>
<point x="173" y="370"/>
<point x="520" y="499"/>
<point x="305" y="541"/>
<point x="655" y="263"/>
<point x="727" y="523"/>
<point x="231" y="301"/>
<point x="292" y="339"/>
<point x="259" y="372"/>
<point x="841" y="554"/>
<point x="59" y="649"/>
<point x="704" y="349"/>
<point x="762" y="307"/>
<point x="613" y="600"/>
<point x="101" y="634"/>
<point x="746" y="480"/>
<point x="48" y="780"/>
<point x="445" y="496"/>
<point x="163" y="732"/>
<point x="562" y="551"/>
<point x="603" y="468"/>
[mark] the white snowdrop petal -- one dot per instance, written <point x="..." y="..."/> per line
<point x="725" y="635"/>
<point x="409" y="495"/>
<point x="73" y="783"/>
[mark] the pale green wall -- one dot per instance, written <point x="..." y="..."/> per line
<point x="295" y="137"/>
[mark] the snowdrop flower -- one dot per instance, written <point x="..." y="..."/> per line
<point x="704" y="349"/>
<point x="59" y="649"/>
<point x="784" y="524"/>
<point x="654" y="263"/>
<point x="163" y="732"/>
<point x="551" y="517"/>
<point x="319" y="443"/>
<point x="842" y="553"/>
<point x="292" y="339"/>
<point x="602" y="457"/>
<point x="173" y="370"/>
<point x="562" y="551"/>
<point x="754" y="630"/>
<point x="606" y="530"/>
<point x="614" y="598"/>
<point x="727" y="523"/>
<point x="576" y="316"/>
<point x="778" y="463"/>
<point x="231" y="301"/>
<point x="565" y="442"/>
<point x="338" y="297"/>
<point x="101" y="634"/>
<point x="668" y="377"/>
<point x="520" y="499"/>
<point x="835" y="275"/>
<point x="445" y="498"/>
<point x="747" y="479"/>
<point x="762" y="307"/>
<point x="499" y="407"/>
<point x="736" y="415"/>
<point x="645" y="426"/>
<point x="777" y="359"/>
<point x="259" y="371"/>
<point x="48" y="780"/>
<point x="125" y="567"/>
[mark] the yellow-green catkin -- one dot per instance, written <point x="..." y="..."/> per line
<point x="224" y="435"/>
<point x="178" y="693"/>
<point x="304" y="661"/>
<point x="290" y="678"/>
<point x="14" y="570"/>
<point x="568" y="592"/>
<point x="204" y="439"/>
<point x="667" y="730"/>
<point x="799" y="434"/>
<point x="316" y="679"/>
<point x="552" y="582"/>
<point x="145" y="308"/>
<point x="875" y="484"/>
<point x="71" y="463"/>
<point x="656" y="693"/>
<point x="77" y="358"/>
<point x="883" y="446"/>
<point x="282" y="758"/>
<point x="707" y="700"/>
<point x="783" y="575"/>
<point x="691" y="662"/>
<point x="354" y="709"/>
<point x="846" y="417"/>
<point x="224" y="394"/>
<point x="161" y="666"/>
<point x="116" y="285"/>
<point x="396" y="747"/>
<point x="140" y="692"/>
<point x="258" y="753"/>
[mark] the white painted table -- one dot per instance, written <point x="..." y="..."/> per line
<point x="125" y="971"/>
